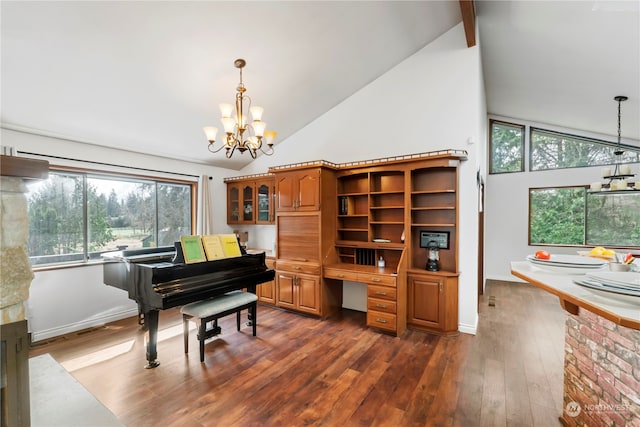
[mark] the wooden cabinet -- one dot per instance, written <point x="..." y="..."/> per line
<point x="433" y="302"/>
<point x="298" y="291"/>
<point x="383" y="209"/>
<point x="250" y="200"/>
<point x="303" y="237"/>
<point x="266" y="292"/>
<point x="298" y="191"/>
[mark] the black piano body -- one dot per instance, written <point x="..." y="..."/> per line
<point x="156" y="283"/>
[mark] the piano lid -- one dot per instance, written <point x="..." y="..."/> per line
<point x="141" y="255"/>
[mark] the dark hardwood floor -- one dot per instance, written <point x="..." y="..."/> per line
<point x="303" y="371"/>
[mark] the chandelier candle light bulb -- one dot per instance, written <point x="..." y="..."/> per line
<point x="235" y="125"/>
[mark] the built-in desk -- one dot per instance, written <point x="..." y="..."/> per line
<point x="386" y="302"/>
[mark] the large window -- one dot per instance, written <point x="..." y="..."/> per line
<point x="574" y="216"/>
<point x="555" y="150"/>
<point x="507" y="147"/>
<point x="76" y="216"/>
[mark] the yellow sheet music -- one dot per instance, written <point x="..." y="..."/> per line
<point x="230" y="245"/>
<point x="213" y="247"/>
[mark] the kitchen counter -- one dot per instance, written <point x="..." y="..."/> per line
<point x="622" y="310"/>
<point x="601" y="351"/>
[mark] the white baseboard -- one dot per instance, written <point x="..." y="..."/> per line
<point x="469" y="329"/>
<point x="78" y="326"/>
<point x="505" y="278"/>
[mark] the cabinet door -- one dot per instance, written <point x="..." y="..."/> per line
<point x="308" y="288"/>
<point x="266" y="292"/>
<point x="425" y="301"/>
<point x="233" y="203"/>
<point x="247" y="214"/>
<point x="286" y="189"/>
<point x="264" y="202"/>
<point x="308" y="191"/>
<point x="286" y="289"/>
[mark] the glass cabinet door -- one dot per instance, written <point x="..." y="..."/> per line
<point x="247" y="203"/>
<point x="264" y="203"/>
<point x="233" y="208"/>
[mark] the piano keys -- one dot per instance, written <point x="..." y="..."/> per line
<point x="155" y="282"/>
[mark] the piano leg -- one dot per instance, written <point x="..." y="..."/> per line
<point x="151" y="323"/>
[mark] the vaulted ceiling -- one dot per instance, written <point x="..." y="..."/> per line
<point x="147" y="76"/>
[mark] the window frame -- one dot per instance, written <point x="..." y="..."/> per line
<point x="523" y="145"/>
<point x="584" y="243"/>
<point x="585" y="139"/>
<point x="87" y="173"/>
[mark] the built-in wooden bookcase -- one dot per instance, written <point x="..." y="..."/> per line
<point x="353" y="208"/>
<point x="433" y="208"/>
<point x="386" y="205"/>
<point x="371" y="221"/>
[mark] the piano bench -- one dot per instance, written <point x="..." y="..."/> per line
<point x="210" y="310"/>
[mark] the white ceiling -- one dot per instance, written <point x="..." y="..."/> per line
<point x="562" y="62"/>
<point x="147" y="76"/>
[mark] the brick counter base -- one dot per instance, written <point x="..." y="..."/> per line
<point x="601" y="373"/>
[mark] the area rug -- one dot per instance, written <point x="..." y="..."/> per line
<point x="59" y="400"/>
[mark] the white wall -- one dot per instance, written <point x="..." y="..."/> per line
<point x="507" y="206"/>
<point x="433" y="100"/>
<point x="70" y="299"/>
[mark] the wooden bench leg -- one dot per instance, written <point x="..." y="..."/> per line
<point x="238" y="319"/>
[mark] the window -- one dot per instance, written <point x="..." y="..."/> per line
<point x="555" y="150"/>
<point x="573" y="216"/>
<point x="76" y="216"/>
<point x="507" y="147"/>
<point x="613" y="219"/>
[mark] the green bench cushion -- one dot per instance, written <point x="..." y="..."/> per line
<point x="213" y="306"/>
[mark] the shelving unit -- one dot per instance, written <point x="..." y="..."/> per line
<point x="433" y="208"/>
<point x="371" y="206"/>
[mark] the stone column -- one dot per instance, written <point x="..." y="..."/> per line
<point x="15" y="267"/>
<point x="15" y="279"/>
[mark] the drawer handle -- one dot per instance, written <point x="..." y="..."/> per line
<point x="375" y="279"/>
<point x="296" y="267"/>
<point x="380" y="293"/>
<point x="381" y="305"/>
<point x="340" y="275"/>
<point x="379" y="320"/>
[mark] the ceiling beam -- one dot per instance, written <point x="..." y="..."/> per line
<point x="468" y="11"/>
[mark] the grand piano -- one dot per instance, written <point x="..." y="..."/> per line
<point x="156" y="282"/>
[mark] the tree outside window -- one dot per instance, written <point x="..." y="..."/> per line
<point x="507" y="147"/>
<point x="120" y="213"/>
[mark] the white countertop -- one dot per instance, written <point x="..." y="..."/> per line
<point x="621" y="309"/>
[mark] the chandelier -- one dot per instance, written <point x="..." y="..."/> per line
<point x="620" y="176"/>
<point x="241" y="135"/>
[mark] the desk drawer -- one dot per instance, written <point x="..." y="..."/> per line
<point x="336" y="273"/>
<point x="375" y="304"/>
<point x="298" y="267"/>
<point x="381" y="320"/>
<point x="377" y="279"/>
<point x="382" y="292"/>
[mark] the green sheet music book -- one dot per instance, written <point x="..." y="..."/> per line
<point x="192" y="249"/>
